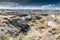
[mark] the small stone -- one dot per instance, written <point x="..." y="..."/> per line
<point x="52" y="24"/>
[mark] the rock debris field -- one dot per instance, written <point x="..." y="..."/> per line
<point x="29" y="27"/>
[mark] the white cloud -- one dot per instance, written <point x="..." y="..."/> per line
<point x="44" y="7"/>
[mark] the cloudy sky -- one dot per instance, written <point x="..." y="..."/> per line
<point x="32" y="1"/>
<point x="30" y="4"/>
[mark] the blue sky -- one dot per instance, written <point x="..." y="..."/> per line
<point x="30" y="4"/>
<point x="32" y="1"/>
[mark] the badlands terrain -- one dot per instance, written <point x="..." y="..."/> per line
<point x="29" y="26"/>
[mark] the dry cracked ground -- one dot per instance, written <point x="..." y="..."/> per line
<point x="29" y="27"/>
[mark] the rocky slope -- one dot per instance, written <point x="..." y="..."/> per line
<point x="29" y="27"/>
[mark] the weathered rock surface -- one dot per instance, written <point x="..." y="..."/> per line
<point x="12" y="25"/>
<point x="29" y="27"/>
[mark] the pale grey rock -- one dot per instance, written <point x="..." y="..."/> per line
<point x="52" y="24"/>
